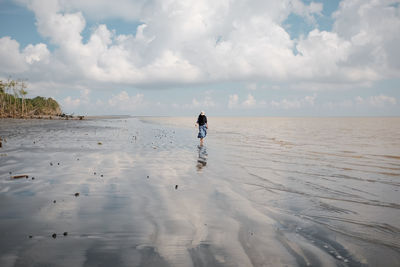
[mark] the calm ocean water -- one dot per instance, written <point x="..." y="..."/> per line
<point x="261" y="192"/>
<point x="342" y="174"/>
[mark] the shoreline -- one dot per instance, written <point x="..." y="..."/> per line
<point x="67" y="117"/>
<point x="45" y="117"/>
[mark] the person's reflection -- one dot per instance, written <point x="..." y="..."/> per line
<point x="202" y="160"/>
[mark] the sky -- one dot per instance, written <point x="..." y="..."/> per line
<point x="226" y="57"/>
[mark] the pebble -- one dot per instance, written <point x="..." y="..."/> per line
<point x="30" y="236"/>
<point x="77" y="194"/>
<point x="54" y="201"/>
<point x="33" y="178"/>
<point x="148" y="176"/>
<point x="54" y="235"/>
<point x="65" y="233"/>
<point x="101" y="175"/>
<point x="176" y="187"/>
<point x="51" y="164"/>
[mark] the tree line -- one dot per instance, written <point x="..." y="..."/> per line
<point x="14" y="104"/>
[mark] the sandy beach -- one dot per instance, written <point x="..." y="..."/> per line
<point x="140" y="192"/>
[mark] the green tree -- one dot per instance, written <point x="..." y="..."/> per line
<point x="23" y="93"/>
<point x="2" y="97"/>
<point x="13" y="101"/>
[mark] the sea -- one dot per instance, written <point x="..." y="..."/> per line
<point x="141" y="191"/>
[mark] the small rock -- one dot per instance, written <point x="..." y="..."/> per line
<point x="51" y="164"/>
<point x="99" y="143"/>
<point x="339" y="257"/>
<point x="54" y="201"/>
<point x="58" y="163"/>
<point x="76" y="195"/>
<point x="101" y="175"/>
<point x="65" y="233"/>
<point x="94" y="173"/>
<point x="54" y="235"/>
<point x="148" y="176"/>
<point x="346" y="260"/>
<point x="30" y="236"/>
<point x="176" y="187"/>
<point x="33" y="178"/>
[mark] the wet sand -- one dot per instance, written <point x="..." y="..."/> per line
<point x="149" y="196"/>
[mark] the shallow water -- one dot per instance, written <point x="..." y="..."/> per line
<point x="261" y="192"/>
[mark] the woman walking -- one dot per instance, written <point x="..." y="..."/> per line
<point x="203" y="126"/>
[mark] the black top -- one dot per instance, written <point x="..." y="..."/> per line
<point x="202" y="120"/>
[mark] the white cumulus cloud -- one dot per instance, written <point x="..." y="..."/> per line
<point x="295" y="103"/>
<point x="69" y="103"/>
<point x="191" y="42"/>
<point x="205" y="103"/>
<point x="376" y="101"/>
<point x="124" y="102"/>
<point x="373" y="29"/>
<point x="36" y="53"/>
<point x="250" y="101"/>
<point x="12" y="60"/>
<point x="233" y="101"/>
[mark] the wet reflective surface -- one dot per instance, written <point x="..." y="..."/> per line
<point x="274" y="192"/>
<point x="202" y="160"/>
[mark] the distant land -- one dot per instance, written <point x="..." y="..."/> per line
<point x="13" y="103"/>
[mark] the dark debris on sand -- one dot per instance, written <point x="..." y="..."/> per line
<point x="19" y="176"/>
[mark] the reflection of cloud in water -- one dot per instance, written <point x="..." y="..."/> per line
<point x="238" y="212"/>
<point x="202" y="159"/>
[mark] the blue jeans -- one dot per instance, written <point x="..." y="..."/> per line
<point x="202" y="131"/>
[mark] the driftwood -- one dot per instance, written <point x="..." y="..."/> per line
<point x="19" y="176"/>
